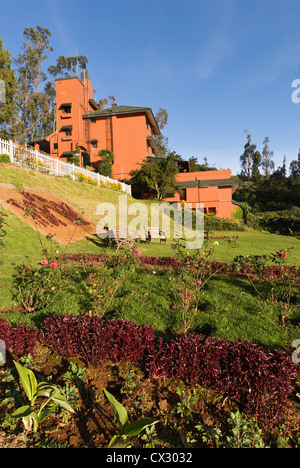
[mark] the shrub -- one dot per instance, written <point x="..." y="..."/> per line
<point x="275" y="282"/>
<point x="103" y="285"/>
<point x="3" y="215"/>
<point x="258" y="380"/>
<point x="214" y="223"/>
<point x="36" y="288"/>
<point x="96" y="342"/>
<point x="4" y="158"/>
<point x="19" y="340"/>
<point x="81" y="177"/>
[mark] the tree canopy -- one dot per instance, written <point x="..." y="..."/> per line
<point x="157" y="175"/>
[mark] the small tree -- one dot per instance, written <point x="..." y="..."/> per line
<point x="105" y="166"/>
<point x="157" y="175"/>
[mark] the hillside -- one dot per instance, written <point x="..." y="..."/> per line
<point x="81" y="197"/>
<point x="66" y="200"/>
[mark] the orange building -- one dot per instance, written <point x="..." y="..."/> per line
<point x="83" y="129"/>
<point x="212" y="188"/>
<point x="129" y="133"/>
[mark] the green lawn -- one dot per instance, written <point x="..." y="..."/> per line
<point x="248" y="243"/>
<point x="230" y="307"/>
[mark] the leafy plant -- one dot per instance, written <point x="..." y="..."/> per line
<point x="275" y="285"/>
<point x="260" y="381"/>
<point x="32" y="415"/>
<point x="187" y="286"/>
<point x="102" y="286"/>
<point x="245" y="432"/>
<point x="126" y="429"/>
<point x="36" y="288"/>
<point x="20" y="339"/>
<point x="95" y="342"/>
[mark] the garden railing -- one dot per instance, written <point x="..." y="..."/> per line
<point x="42" y="162"/>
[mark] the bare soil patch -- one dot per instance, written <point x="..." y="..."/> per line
<point x="46" y="212"/>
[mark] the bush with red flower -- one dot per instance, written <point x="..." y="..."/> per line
<point x="102" y="285"/>
<point x="271" y="279"/>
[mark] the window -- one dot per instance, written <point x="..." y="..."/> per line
<point x="93" y="142"/>
<point x="67" y="110"/>
<point x="66" y="107"/>
<point x="55" y="145"/>
<point x="67" y="129"/>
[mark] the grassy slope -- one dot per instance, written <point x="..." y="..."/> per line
<point x="22" y="240"/>
<point x="230" y="311"/>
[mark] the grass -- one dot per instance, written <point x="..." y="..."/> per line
<point x="229" y="309"/>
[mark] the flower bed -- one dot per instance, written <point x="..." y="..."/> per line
<point x="175" y="263"/>
<point x="260" y="381"/>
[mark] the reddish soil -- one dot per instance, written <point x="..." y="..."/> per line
<point x="46" y="212"/>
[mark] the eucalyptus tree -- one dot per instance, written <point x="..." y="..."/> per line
<point x="33" y="101"/>
<point x="267" y="158"/>
<point x="246" y="159"/>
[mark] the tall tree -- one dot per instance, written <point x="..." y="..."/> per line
<point x="67" y="67"/>
<point x="9" y="96"/>
<point x="295" y="167"/>
<point x="267" y="158"/>
<point x="246" y="159"/>
<point x="102" y="103"/>
<point x="256" y="164"/>
<point x="280" y="171"/>
<point x="33" y="102"/>
<point x="162" y="142"/>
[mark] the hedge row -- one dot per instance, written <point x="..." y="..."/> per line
<point x="19" y="340"/>
<point x="259" y="381"/>
<point x="172" y="262"/>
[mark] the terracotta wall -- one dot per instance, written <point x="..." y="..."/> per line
<point x="217" y="200"/>
<point x="129" y="141"/>
<point x="78" y="93"/>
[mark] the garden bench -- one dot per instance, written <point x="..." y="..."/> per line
<point x="122" y="237"/>
<point x="155" y="233"/>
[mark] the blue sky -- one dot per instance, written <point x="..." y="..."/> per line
<point x="218" y="67"/>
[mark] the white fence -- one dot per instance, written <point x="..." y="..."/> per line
<point x="42" y="162"/>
